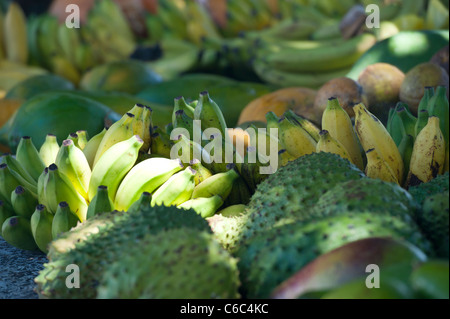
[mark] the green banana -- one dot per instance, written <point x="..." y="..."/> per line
<point x="184" y="124"/>
<point x="218" y="184"/>
<point x="240" y="193"/>
<point x="438" y="106"/>
<point x="143" y="202"/>
<point x="5" y="212"/>
<point x="145" y="176"/>
<point x="307" y="125"/>
<point x="72" y="163"/>
<point x="28" y="157"/>
<point x="397" y="128"/>
<point x="405" y="148"/>
<point x="119" y="131"/>
<point x="422" y="120"/>
<point x="253" y="166"/>
<point x="176" y="190"/>
<point x="58" y="188"/>
<point x="188" y="150"/>
<point x="114" y="165"/>
<point x="101" y="203"/>
<point x="233" y="210"/>
<point x="16" y="230"/>
<point x="91" y="147"/>
<point x="82" y="139"/>
<point x="427" y="95"/>
<point x="201" y="172"/>
<point x="68" y="39"/>
<point x="63" y="220"/>
<point x="210" y="115"/>
<point x="9" y="181"/>
<point x="204" y="206"/>
<point x="408" y="120"/>
<point x="23" y="202"/>
<point x="180" y="104"/>
<point x="49" y="149"/>
<point x="272" y="121"/>
<point x="42" y="199"/>
<point x="41" y="227"/>
<point x="17" y="169"/>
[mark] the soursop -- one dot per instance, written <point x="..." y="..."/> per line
<point x="433" y="220"/>
<point x="437" y="185"/>
<point x="271" y="257"/>
<point x="289" y="194"/>
<point x="104" y="240"/>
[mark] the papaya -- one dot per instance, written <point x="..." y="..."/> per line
<point x="38" y="84"/>
<point x="404" y="50"/>
<point x="298" y="99"/>
<point x="130" y="76"/>
<point x="56" y="113"/>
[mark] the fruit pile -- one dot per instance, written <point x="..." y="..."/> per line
<point x="134" y="158"/>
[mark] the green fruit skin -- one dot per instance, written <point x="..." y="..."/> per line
<point x="431" y="280"/>
<point x="16" y="230"/>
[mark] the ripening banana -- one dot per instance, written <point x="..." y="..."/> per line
<point x="72" y="163"/>
<point x="101" y="203"/>
<point x="210" y="114"/>
<point x="41" y="227"/>
<point x="146" y="119"/>
<point x="218" y="184"/>
<point x="428" y="155"/>
<point x="372" y="134"/>
<point x="201" y="172"/>
<point x="58" y="188"/>
<point x="23" y="202"/>
<point x="284" y="157"/>
<point x="9" y="181"/>
<point x="28" y="157"/>
<point x="176" y="190"/>
<point x="338" y="123"/>
<point x="91" y="147"/>
<point x="377" y="167"/>
<point x="114" y="165"/>
<point x="119" y="131"/>
<point x="295" y="139"/>
<point x="63" y="220"/>
<point x="15" y="34"/>
<point x="329" y="144"/>
<point x="204" y="206"/>
<point x="307" y="125"/>
<point x="49" y="149"/>
<point x="145" y="176"/>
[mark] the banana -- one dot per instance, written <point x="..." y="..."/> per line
<point x="307" y="125"/>
<point x="119" y="131"/>
<point x="72" y="163"/>
<point x="396" y="127"/>
<point x="184" y="123"/>
<point x="101" y="203"/>
<point x="378" y="168"/>
<point x="408" y="120"/>
<point x="61" y="66"/>
<point x="114" y="165"/>
<point x="92" y="145"/>
<point x="337" y="57"/>
<point x="41" y="227"/>
<point x="5" y="212"/>
<point x="28" y="157"/>
<point x="16" y="231"/>
<point x="81" y="140"/>
<point x="256" y="167"/>
<point x="233" y="210"/>
<point x="427" y="95"/>
<point x="63" y="220"/>
<point x="58" y="188"/>
<point x="218" y="184"/>
<point x="188" y="150"/>
<point x="422" y="120"/>
<point x="41" y="187"/>
<point x="161" y="144"/>
<point x="49" y="149"/>
<point x="372" y="134"/>
<point x="17" y="170"/>
<point x="15" y="34"/>
<point x="265" y="142"/>
<point x="240" y="193"/>
<point x="438" y="106"/>
<point x="284" y="157"/>
<point x="406" y="148"/>
<point x="295" y="139"/>
<point x="204" y="206"/>
<point x="181" y="104"/>
<point x="143" y="202"/>
<point x="288" y="29"/>
<point x="176" y="190"/>
<point x="210" y="114"/>
<point x="338" y="123"/>
<point x="145" y="176"/>
<point x="85" y="58"/>
<point x="9" y="181"/>
<point x="23" y="202"/>
<point x="201" y="172"/>
<point x="146" y="119"/>
<point x="329" y="144"/>
<point x="272" y="122"/>
<point x="68" y="39"/>
<point x="428" y="155"/>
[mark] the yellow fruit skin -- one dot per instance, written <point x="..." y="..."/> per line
<point x="377" y="167"/>
<point x="329" y="144"/>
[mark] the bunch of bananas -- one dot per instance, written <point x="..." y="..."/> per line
<point x="422" y="140"/>
<point x="70" y="52"/>
<point x="14" y="51"/>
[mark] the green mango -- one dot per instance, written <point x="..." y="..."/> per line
<point x="59" y="114"/>
<point x="404" y="50"/>
<point x="34" y="85"/>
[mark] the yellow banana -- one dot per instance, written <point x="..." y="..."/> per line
<point x="201" y="172"/>
<point x="284" y="157"/>
<point x="372" y="134"/>
<point x="378" y="168"/>
<point x="15" y="34"/>
<point x="307" y="125"/>
<point x="428" y="156"/>
<point x="329" y="144"/>
<point x="338" y="123"/>
<point x="176" y="190"/>
<point x="92" y="146"/>
<point x="295" y="139"/>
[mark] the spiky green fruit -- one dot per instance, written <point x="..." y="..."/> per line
<point x="437" y="185"/>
